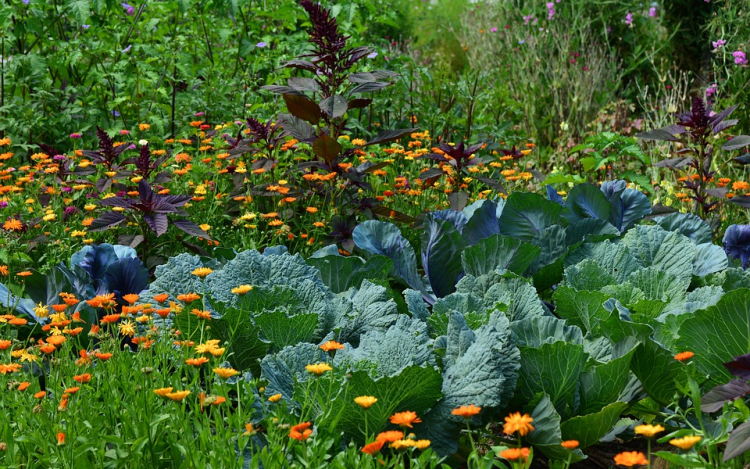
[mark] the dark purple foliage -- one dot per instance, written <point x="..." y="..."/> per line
<point x="737" y="243"/>
<point x="739" y="367"/>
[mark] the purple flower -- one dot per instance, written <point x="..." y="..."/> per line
<point x="3" y="204"/>
<point x="629" y="19"/>
<point x="127" y="49"/>
<point x="550" y="10"/>
<point x="652" y="12"/>
<point x="75" y="135"/>
<point x="739" y="57"/>
<point x="198" y="114"/>
<point x="526" y="19"/>
<point x="718" y="44"/>
<point x="261" y="44"/>
<point x="59" y="157"/>
<point x="69" y="210"/>
<point x="115" y="113"/>
<point x="129" y="10"/>
<point x="711" y="90"/>
<point x="372" y="55"/>
<point x="493" y="29"/>
<point x="121" y="193"/>
<point x="85" y="26"/>
<point x="25" y="2"/>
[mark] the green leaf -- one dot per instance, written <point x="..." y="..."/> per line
<point x="498" y="252"/>
<point x="415" y="388"/>
<point x="602" y="384"/>
<point x="588" y="429"/>
<point x="547" y="435"/>
<point x="341" y="273"/>
<point x="442" y="245"/>
<point x="283" y="330"/>
<point x="553" y="369"/>
<point x="581" y="308"/>
<point x="657" y="370"/>
<point x="527" y="214"/>
<point x="688" y="225"/>
<point x="534" y="332"/>
<point x="664" y="250"/>
<point x="372" y="310"/>
<point x="679" y="460"/>
<point x="717" y="334"/>
<point x="585" y="201"/>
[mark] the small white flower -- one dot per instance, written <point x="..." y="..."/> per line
<point x="143" y="143"/>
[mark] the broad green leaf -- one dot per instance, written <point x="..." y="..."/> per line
<point x="547" y="435"/>
<point x="588" y="429"/>
<point x="553" y="369"/>
<point x="415" y="388"/>
<point x="283" y="330"/>
<point x="341" y="273"/>
<point x="688" y="225"/>
<point x="585" y="201"/>
<point x="534" y="332"/>
<point x="602" y="384"/>
<point x="526" y="215"/>
<point x="442" y="245"/>
<point x="580" y="308"/>
<point x="498" y="252"/>
<point x="664" y="250"/>
<point x="718" y="333"/>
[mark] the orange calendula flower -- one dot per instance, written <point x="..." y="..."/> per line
<point x="686" y="442"/>
<point x="131" y="298"/>
<point x="466" y="411"/>
<point x="60" y="439"/>
<point x="226" y="372"/>
<point x="110" y="318"/>
<point x="684" y="356"/>
<point x="103" y="356"/>
<point x="161" y="298"/>
<point x="518" y="423"/>
<point x="405" y="419"/>
<point x="512" y="454"/>
<point x="163" y="391"/>
<point x="188" y="297"/>
<point x="202" y="314"/>
<point x="196" y="361"/>
<point x="47" y="348"/>
<point x="24" y="386"/>
<point x="84" y="378"/>
<point x="301" y="432"/>
<point x="40" y="394"/>
<point x="25" y="273"/>
<point x="373" y="447"/>
<point x="630" y="459"/>
<point x="178" y="395"/>
<point x="570" y="444"/>
<point x="4" y="344"/>
<point x="331" y="345"/>
<point x="72" y="390"/>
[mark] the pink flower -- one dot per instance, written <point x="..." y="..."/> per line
<point x="739" y="57"/>
<point x="629" y="19"/>
<point x="75" y="135"/>
<point x="652" y="12"/>
<point x="124" y="132"/>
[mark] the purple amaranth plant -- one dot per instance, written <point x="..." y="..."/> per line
<point x="696" y="131"/>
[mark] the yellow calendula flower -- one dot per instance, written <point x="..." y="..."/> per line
<point x="318" y="368"/>
<point x="365" y="401"/>
<point x="226" y="372"/>
<point x="686" y="442"/>
<point x="275" y="398"/>
<point x="242" y="289"/>
<point x="162" y="391"/>
<point x="648" y="430"/>
<point x="202" y="272"/>
<point x="41" y="310"/>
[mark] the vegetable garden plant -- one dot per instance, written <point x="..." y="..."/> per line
<point x="415" y="302"/>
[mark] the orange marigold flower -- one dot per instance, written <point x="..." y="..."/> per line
<point x="163" y="391"/>
<point x="373" y="447"/>
<point x="512" y="454"/>
<point x="72" y="390"/>
<point x="405" y="419"/>
<point x="188" y="297"/>
<point x="161" y="298"/>
<point x="23" y="386"/>
<point x="202" y="314"/>
<point x="40" y="394"/>
<point x="4" y="344"/>
<point x="301" y="432"/>
<point x="60" y="439"/>
<point x="196" y="361"/>
<point x="518" y="423"/>
<point x="12" y="224"/>
<point x="630" y="459"/>
<point x="55" y="340"/>
<point x="131" y="298"/>
<point x="18" y="322"/>
<point x="84" y="378"/>
<point x="178" y="395"/>
<point x="103" y="356"/>
<point x="684" y="356"/>
<point x="25" y="273"/>
<point x="570" y="444"/>
<point x="331" y="345"/>
<point x="466" y="411"/>
<point x="48" y="348"/>
<point x="740" y="186"/>
<point x="111" y="318"/>
<point x="4" y="270"/>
